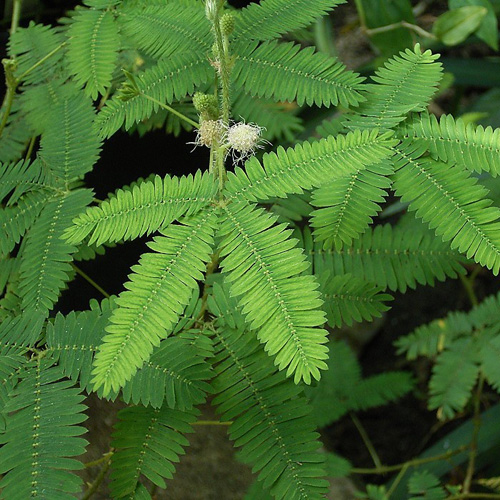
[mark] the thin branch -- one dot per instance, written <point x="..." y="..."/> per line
<point x="475" y="434"/>
<point x="99" y="479"/>
<point x="171" y="110"/>
<point x="211" y="422"/>
<point x="16" y="15"/>
<point x="401" y="24"/>
<point x="384" y="469"/>
<point x="90" y="280"/>
<point x="366" y="440"/>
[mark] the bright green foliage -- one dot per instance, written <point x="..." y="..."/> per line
<point x="451" y="201"/>
<point x="225" y="301"/>
<point x="93" y="49"/>
<point x="16" y="220"/>
<point x="175" y="375"/>
<point x="342" y="389"/>
<point x="406" y="83"/>
<point x="18" y="178"/>
<point x="264" y="269"/>
<point x="425" y="485"/>
<point x="32" y="45"/>
<point x="349" y="299"/>
<point x="71" y="149"/>
<point x="348" y="204"/>
<point x="390" y="258"/>
<point x="163" y="30"/>
<point x="42" y="418"/>
<point x="74" y="339"/>
<point x="142" y="209"/>
<point x="172" y="78"/>
<point x="46" y="257"/>
<point x="147" y="441"/>
<point x="307" y="165"/>
<point x="289" y="74"/>
<point x="452" y="141"/>
<point x="261" y="22"/>
<point x="169" y="276"/>
<point x="271" y="421"/>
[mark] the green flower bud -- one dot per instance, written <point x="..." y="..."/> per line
<point x="206" y="105"/>
<point x="227" y="24"/>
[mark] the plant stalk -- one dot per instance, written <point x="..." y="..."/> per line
<point x="16" y="15"/>
<point x="366" y="440"/>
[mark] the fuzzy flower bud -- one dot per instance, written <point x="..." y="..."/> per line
<point x="244" y="139"/>
<point x="209" y="133"/>
<point x="227" y="24"/>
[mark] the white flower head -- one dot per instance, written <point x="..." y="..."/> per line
<point x="210" y="132"/>
<point x="244" y="138"/>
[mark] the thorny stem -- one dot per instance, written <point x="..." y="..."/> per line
<point x="171" y="110"/>
<point x="475" y="434"/>
<point x="99" y="479"/>
<point x="384" y="469"/>
<point x="90" y="280"/>
<point x="366" y="440"/>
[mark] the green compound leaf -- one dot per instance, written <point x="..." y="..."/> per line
<point x="388" y="257"/>
<point x="346" y="206"/>
<point x="143" y="208"/>
<point x="307" y="165"/>
<point x="40" y="438"/>
<point x="93" y="49"/>
<point x="171" y="79"/>
<point x="147" y="442"/>
<point x="281" y="304"/>
<point x="453" y="378"/>
<point x="285" y="72"/>
<point x="455" y="142"/>
<point x="262" y="21"/>
<point x="348" y="299"/>
<point x="271" y="420"/>
<point x="452" y="202"/>
<point x="161" y="286"/>
<point x="46" y="257"/>
<point x="405" y="83"/>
